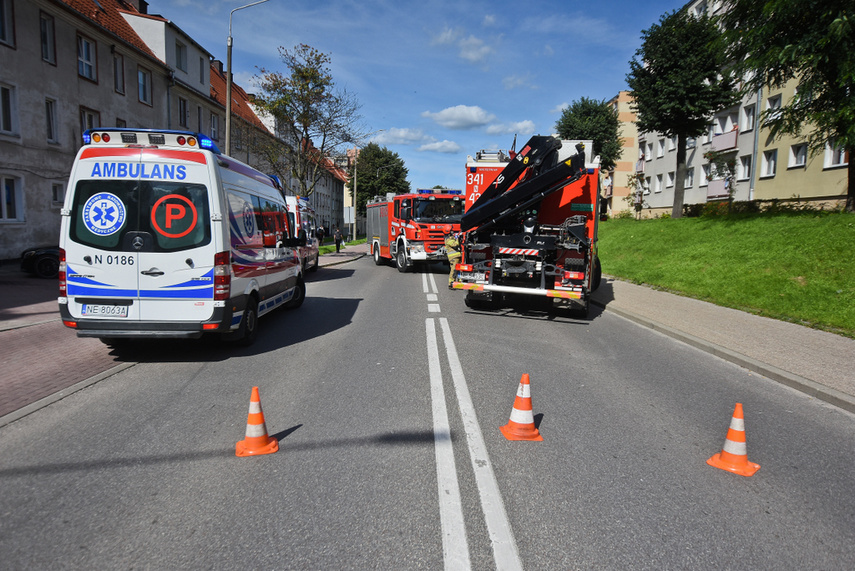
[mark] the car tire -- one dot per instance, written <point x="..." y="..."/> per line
<point x="299" y="295"/>
<point x="249" y="324"/>
<point x="375" y="249"/>
<point x="46" y="267"/>
<point x="401" y="259"/>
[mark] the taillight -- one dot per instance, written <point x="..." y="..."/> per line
<point x="63" y="288"/>
<point x="463" y="267"/>
<point x="222" y="275"/>
<point x="574" y="275"/>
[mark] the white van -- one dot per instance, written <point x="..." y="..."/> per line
<point x="163" y="236"/>
<point x="302" y="219"/>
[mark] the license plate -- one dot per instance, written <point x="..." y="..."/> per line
<point x="97" y="310"/>
<point x="474" y="276"/>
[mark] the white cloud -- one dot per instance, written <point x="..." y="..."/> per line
<point x="474" y="50"/>
<point x="396" y="136"/>
<point x="519" y="128"/>
<point x="559" y="108"/>
<point x="515" y="81"/>
<point x="446" y="146"/>
<point x="489" y="20"/>
<point x="461" y="117"/>
<point x="448" y="36"/>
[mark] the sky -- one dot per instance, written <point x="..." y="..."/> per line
<point x="438" y="80"/>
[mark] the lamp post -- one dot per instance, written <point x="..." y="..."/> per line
<point x="229" y="78"/>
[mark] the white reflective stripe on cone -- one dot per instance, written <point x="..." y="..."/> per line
<point x="522" y="416"/>
<point x="255" y="430"/>
<point x="735" y="448"/>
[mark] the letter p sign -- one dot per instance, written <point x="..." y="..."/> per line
<point x="174" y="216"/>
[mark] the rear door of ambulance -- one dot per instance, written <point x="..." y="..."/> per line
<point x="140" y="242"/>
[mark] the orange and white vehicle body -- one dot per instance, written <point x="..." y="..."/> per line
<point x="163" y="236"/>
<point x="481" y="172"/>
<point x="532" y="230"/>
<point x="411" y="228"/>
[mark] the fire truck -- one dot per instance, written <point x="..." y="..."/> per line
<point x="410" y="228"/>
<point x="533" y="230"/>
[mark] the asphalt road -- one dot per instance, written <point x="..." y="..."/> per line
<point x="386" y="395"/>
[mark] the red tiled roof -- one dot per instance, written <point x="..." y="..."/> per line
<point x="240" y="100"/>
<point x="107" y="14"/>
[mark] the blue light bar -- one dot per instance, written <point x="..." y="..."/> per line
<point x="452" y="192"/>
<point x="87" y="137"/>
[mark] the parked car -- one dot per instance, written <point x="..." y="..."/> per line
<point x="41" y="260"/>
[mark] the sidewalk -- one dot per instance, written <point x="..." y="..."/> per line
<point x="347" y="254"/>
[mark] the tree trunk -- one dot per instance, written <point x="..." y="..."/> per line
<point x="850" y="180"/>
<point x="680" y="174"/>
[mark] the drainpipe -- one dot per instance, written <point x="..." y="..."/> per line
<point x="755" y="161"/>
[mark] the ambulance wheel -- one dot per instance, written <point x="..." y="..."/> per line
<point x="299" y="295"/>
<point x="401" y="259"/>
<point x="378" y="261"/>
<point x="249" y="323"/>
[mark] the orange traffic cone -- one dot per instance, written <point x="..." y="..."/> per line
<point x="734" y="456"/>
<point x="256" y="441"/>
<point x="521" y="425"/>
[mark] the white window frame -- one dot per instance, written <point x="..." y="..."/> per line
<point x="773" y="107"/>
<point x="8" y="110"/>
<point x="647" y="185"/>
<point x="118" y="73"/>
<point x="183" y="112"/>
<point x="669" y="179"/>
<point x="660" y="148"/>
<point x="648" y="153"/>
<point x="705" y="176"/>
<point x="797" y="156"/>
<point x="181" y="56"/>
<point x="50" y="121"/>
<point x="748" y="117"/>
<point x="215" y="127"/>
<point x="47" y="37"/>
<point x="658" y="186"/>
<point x="144" y="85"/>
<point x="57" y="192"/>
<point x="15" y="213"/>
<point x="7" y="23"/>
<point x="689" y="181"/>
<point x="769" y="163"/>
<point x="835" y="157"/>
<point x="87" y="58"/>
<point x="744" y="168"/>
<point x="89" y="119"/>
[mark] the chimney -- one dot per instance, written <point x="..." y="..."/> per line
<point x="140" y="5"/>
<point x="219" y="65"/>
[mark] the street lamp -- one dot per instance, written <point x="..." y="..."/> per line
<point x="229" y="78"/>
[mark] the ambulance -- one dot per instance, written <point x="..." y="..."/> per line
<point x="302" y="218"/>
<point x="163" y="236"/>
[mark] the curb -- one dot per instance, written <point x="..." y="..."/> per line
<point x="799" y="383"/>
<point x="358" y="256"/>
<point x="61" y="394"/>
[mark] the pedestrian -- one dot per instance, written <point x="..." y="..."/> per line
<point x="337" y="236"/>
<point x="452" y="252"/>
<point x="320" y="235"/>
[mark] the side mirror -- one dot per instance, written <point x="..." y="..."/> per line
<point x="406" y="212"/>
<point x="302" y="238"/>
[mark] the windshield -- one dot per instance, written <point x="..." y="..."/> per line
<point x="438" y="210"/>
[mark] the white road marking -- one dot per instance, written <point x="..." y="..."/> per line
<point x="504" y="544"/>
<point x="425" y="284"/>
<point x="432" y="283"/>
<point x="455" y="548"/>
<point x="432" y="297"/>
<point x="433" y="308"/>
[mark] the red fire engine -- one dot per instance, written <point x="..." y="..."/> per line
<point x="409" y="228"/>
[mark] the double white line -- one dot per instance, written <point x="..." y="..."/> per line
<point x="455" y="546"/>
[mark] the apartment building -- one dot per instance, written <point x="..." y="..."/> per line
<point x="763" y="168"/>
<point x="73" y="65"/>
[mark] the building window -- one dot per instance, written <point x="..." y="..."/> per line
<point x="236" y="138"/>
<point x="57" y="192"/>
<point x="691" y="143"/>
<point x="705" y="175"/>
<point x="743" y="169"/>
<point x="181" y="56"/>
<point x="648" y="154"/>
<point x="86" y="58"/>
<point x="8" y="110"/>
<point x="835" y="156"/>
<point x="7" y="23"/>
<point x="669" y="180"/>
<point x="183" y="112"/>
<point x="770" y="162"/>
<point x="119" y="73"/>
<point x="48" y="37"/>
<point x="672" y="143"/>
<point x="773" y="107"/>
<point x="647" y="185"/>
<point x="748" y="117"/>
<point x="215" y="127"/>
<point x="202" y="71"/>
<point x="50" y="120"/>
<point x="658" y="187"/>
<point x="689" y="181"/>
<point x="121" y="123"/>
<point x="660" y="148"/>
<point x="89" y="119"/>
<point x="144" y="82"/>
<point x="798" y="155"/>
<point x="199" y="119"/>
<point x="12" y="199"/>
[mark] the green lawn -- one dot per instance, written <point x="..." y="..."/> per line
<point x="795" y="267"/>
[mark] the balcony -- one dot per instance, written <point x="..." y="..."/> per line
<point x="717" y="189"/>
<point x="725" y="141"/>
<point x="639" y="166"/>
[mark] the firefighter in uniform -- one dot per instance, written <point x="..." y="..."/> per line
<point x="452" y="251"/>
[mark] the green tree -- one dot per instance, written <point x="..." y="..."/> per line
<point x="678" y="80"/>
<point x="597" y="121"/>
<point x="313" y="117"/>
<point x="378" y="171"/>
<point x="812" y="41"/>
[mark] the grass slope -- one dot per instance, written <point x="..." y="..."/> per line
<point x="794" y="267"/>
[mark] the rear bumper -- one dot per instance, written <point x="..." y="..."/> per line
<point x="220" y="322"/>
<point x="555" y="293"/>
